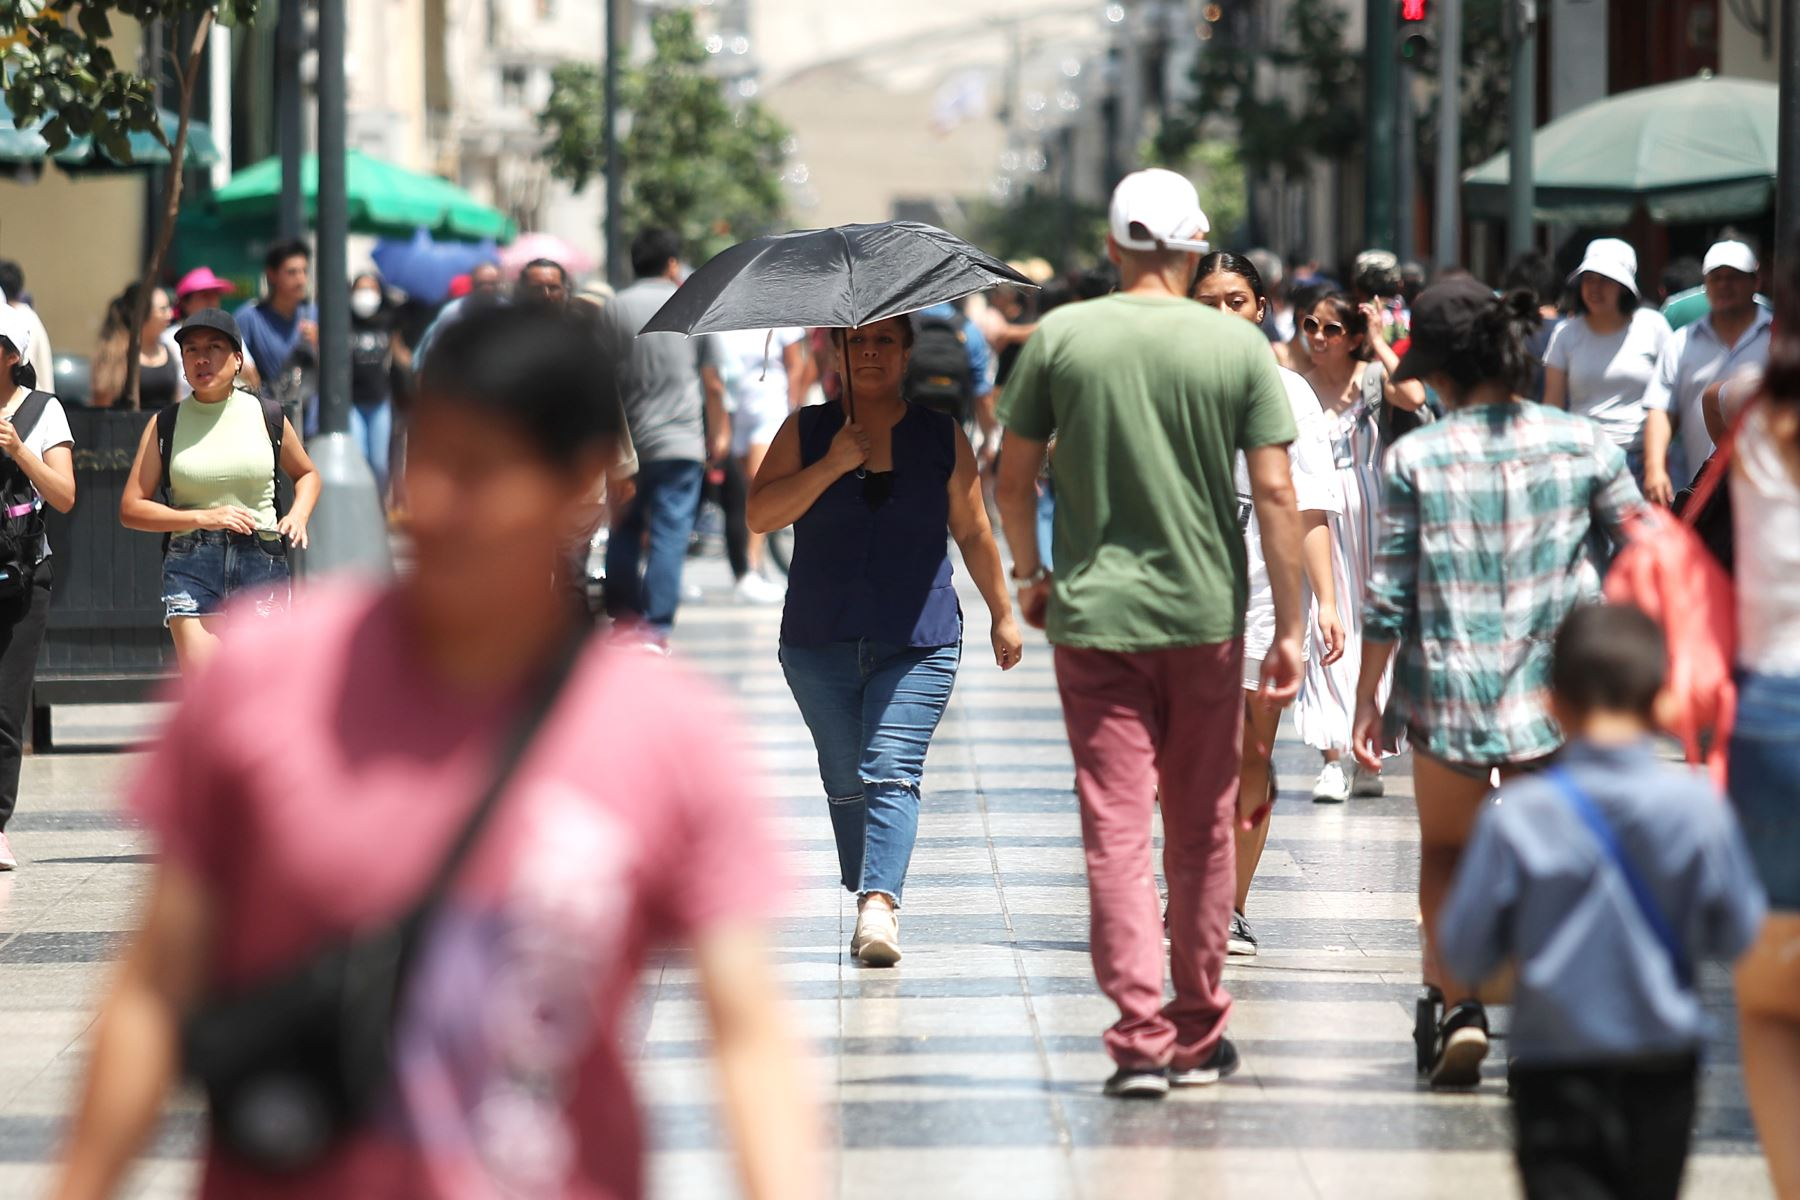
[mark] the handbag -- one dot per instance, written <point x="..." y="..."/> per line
<point x="21" y="524"/>
<point x="291" y="1064"/>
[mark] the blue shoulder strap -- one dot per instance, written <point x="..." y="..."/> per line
<point x="1603" y="833"/>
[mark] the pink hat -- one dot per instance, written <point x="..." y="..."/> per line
<point x="202" y="279"/>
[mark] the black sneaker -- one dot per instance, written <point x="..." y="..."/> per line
<point x="1222" y="1062"/>
<point x="1138" y="1083"/>
<point x="1240" y="941"/>
<point x="1462" y="1044"/>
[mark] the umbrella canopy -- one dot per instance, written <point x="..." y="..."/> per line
<point x="842" y="277"/>
<point x="1702" y="149"/>
<point x="384" y="199"/>
<point x="423" y="268"/>
<point x="83" y="155"/>
<point x="531" y="246"/>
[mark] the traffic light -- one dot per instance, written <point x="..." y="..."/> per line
<point x="1415" y="41"/>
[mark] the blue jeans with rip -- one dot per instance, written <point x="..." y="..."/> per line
<point x="668" y="497"/>
<point x="872" y="708"/>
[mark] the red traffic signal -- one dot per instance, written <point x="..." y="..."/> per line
<point x="1412" y="10"/>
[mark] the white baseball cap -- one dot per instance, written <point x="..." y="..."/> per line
<point x="1156" y="209"/>
<point x="1734" y="255"/>
<point x="1612" y="259"/>
<point x="15" y="329"/>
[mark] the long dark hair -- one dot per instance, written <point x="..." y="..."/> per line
<point x="1496" y="348"/>
<point x="23" y="373"/>
<point x="1227" y="263"/>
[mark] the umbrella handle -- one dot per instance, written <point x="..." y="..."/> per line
<point x="850" y="404"/>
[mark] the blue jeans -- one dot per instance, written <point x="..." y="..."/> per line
<point x="206" y="569"/>
<point x="668" y="497"/>
<point x="1765" y="780"/>
<point x="872" y="708"/>
<point x="372" y="429"/>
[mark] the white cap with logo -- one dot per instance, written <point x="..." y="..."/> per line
<point x="1733" y="255"/>
<point x="1156" y="209"/>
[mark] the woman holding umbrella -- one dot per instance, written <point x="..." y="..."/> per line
<point x="872" y="632"/>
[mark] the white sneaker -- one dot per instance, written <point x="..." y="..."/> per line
<point x="1332" y="786"/>
<point x="1366" y="783"/>
<point x="7" y="861"/>
<point x="756" y="589"/>
<point x="877" y="939"/>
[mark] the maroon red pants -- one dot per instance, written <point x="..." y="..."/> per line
<point x="1168" y="723"/>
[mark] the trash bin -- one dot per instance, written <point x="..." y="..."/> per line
<point x="105" y="643"/>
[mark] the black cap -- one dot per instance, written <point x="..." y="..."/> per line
<point x="216" y="319"/>
<point x="1443" y="317"/>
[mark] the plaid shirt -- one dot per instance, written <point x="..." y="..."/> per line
<point x="1487" y="541"/>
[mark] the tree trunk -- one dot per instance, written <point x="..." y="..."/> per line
<point x="190" y="74"/>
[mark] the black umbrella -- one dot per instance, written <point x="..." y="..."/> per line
<point x="842" y="277"/>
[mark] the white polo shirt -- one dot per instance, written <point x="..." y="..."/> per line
<point x="1692" y="360"/>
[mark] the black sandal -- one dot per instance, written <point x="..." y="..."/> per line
<point x="1462" y="1043"/>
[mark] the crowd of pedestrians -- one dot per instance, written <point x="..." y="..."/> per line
<point x="1228" y="488"/>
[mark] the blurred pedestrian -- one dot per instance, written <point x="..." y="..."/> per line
<point x="1377" y="281"/>
<point x="281" y="333"/>
<point x="1485" y="545"/>
<point x="1151" y="397"/>
<point x="1732" y="339"/>
<point x="486" y="287"/>
<point x="618" y="789"/>
<point x="38" y="468"/>
<point x="1683" y="291"/>
<point x="15" y="297"/>
<point x="198" y="290"/>
<point x="377" y="354"/>
<point x="1765" y="742"/>
<point x="1533" y="272"/>
<point x="1360" y="397"/>
<point x="763" y="370"/>
<point x="160" y="381"/>
<point x="213" y="461"/>
<point x="1604" y="880"/>
<point x="1600" y="361"/>
<point x="1231" y="284"/>
<point x="1278" y="319"/>
<point x="674" y="403"/>
<point x="1292" y="353"/>
<point x="951" y="367"/>
<point x="872" y="633"/>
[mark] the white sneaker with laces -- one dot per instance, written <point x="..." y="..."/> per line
<point x="877" y="939"/>
<point x="7" y="861"/>
<point x="1333" y="787"/>
<point x="757" y="589"/>
<point x="1366" y="783"/>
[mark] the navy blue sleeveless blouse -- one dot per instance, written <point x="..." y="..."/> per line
<point x="880" y="573"/>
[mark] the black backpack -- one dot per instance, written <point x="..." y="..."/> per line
<point x="21" y="521"/>
<point x="938" y="375"/>
<point x="274" y="420"/>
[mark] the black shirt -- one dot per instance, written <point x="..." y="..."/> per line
<point x="370" y="358"/>
<point x="158" y="386"/>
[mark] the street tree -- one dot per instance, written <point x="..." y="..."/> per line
<point x="59" y="69"/>
<point x="693" y="160"/>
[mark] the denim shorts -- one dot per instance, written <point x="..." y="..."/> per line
<point x="207" y="569"/>
<point x="1765" y="780"/>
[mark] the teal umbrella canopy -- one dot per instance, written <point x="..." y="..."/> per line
<point x="19" y="146"/>
<point x="1702" y="149"/>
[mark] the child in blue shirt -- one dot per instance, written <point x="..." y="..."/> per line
<point x="1603" y="879"/>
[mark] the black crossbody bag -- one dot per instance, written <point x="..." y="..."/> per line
<point x="293" y="1063"/>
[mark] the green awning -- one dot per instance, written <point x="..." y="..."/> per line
<point x="384" y="199"/>
<point x="83" y="154"/>
<point x="1702" y="149"/>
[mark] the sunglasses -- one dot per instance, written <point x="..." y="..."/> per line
<point x="1332" y="330"/>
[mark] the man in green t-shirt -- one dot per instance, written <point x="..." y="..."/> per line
<point x="1151" y="398"/>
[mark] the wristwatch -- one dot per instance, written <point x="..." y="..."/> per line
<point x="1037" y="576"/>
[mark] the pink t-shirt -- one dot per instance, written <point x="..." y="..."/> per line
<point x="313" y="778"/>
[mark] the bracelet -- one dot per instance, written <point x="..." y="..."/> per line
<point x="1037" y="576"/>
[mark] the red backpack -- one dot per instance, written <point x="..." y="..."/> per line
<point x="1667" y="570"/>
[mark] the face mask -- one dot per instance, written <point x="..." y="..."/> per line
<point x="365" y="303"/>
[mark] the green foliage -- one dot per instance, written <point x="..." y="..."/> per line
<point x="1040" y="223"/>
<point x="692" y="161"/>
<point x="58" y="67"/>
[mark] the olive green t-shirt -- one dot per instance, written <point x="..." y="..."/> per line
<point x="221" y="454"/>
<point x="1150" y="399"/>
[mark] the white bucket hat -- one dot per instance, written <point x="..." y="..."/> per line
<point x="1610" y="258"/>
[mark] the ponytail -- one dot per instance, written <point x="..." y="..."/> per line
<point x="24" y="375"/>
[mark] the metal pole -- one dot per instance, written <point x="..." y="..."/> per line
<point x="618" y="45"/>
<point x="1446" y="239"/>
<point x="332" y="283"/>
<point x="1406" y="162"/>
<point x="1787" y="169"/>
<point x="1379" y="164"/>
<point x="1522" y="121"/>
<point x="290" y="216"/>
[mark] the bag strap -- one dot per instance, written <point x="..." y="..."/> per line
<point x="1559" y="778"/>
<point x="30" y="412"/>
<point x="275" y="422"/>
<point x="1713" y="474"/>
<point x="513" y="749"/>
